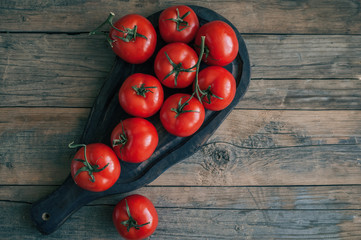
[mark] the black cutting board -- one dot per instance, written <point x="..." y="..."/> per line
<point x="50" y="213"/>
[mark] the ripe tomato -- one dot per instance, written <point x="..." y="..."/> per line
<point x="174" y="65"/>
<point x="134" y="140"/>
<point x="141" y="95"/>
<point x="135" y="217"/>
<point x="221" y="43"/>
<point x="133" y="38"/>
<point x="95" y="167"/>
<point x="178" y="24"/>
<point x="182" y="118"/>
<point x="219" y="86"/>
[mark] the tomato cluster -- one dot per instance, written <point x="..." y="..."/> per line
<point x="176" y="65"/>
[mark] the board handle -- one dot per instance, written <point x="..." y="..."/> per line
<point x="50" y="213"/>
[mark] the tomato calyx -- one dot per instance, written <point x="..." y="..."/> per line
<point x="177" y="68"/>
<point x="208" y="94"/>
<point x="131" y="222"/>
<point x="180" y="107"/>
<point x="142" y="90"/>
<point x="87" y="166"/>
<point x="129" y="33"/>
<point x="180" y="21"/>
<point x="122" y="140"/>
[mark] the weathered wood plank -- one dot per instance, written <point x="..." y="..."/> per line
<point x="304" y="56"/>
<point x="289" y="72"/>
<point x="303" y="94"/>
<point x="336" y="17"/>
<point x="343" y="197"/>
<point x="34" y="142"/>
<point x="52" y="70"/>
<point x="94" y="222"/>
<point x="266" y="148"/>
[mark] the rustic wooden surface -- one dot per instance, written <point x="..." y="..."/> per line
<point x="285" y="164"/>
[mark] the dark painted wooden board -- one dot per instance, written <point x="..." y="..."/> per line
<point x="50" y="213"/>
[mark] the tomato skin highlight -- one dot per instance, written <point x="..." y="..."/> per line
<point x="97" y="154"/>
<point x="179" y="53"/>
<point x="135" y="51"/>
<point x="138" y="105"/>
<point x="142" y="140"/>
<point x="185" y="124"/>
<point x="221" y="83"/>
<point x="168" y="28"/>
<point x="142" y="210"/>
<point x="221" y="41"/>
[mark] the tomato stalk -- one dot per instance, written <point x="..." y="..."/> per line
<point x="208" y="93"/>
<point x="87" y="166"/>
<point x="142" y="90"/>
<point x="177" y="68"/>
<point x="197" y="88"/>
<point x="129" y="33"/>
<point x="122" y="140"/>
<point x="180" y="20"/>
<point x="131" y="222"/>
<point x="180" y="108"/>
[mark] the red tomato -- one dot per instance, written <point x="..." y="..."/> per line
<point x="135" y="217"/>
<point x="174" y="65"/>
<point x="178" y="24"/>
<point x="98" y="171"/>
<point x="141" y="95"/>
<point x="221" y="43"/>
<point x="182" y="118"/>
<point x="219" y="86"/>
<point x="134" y="140"/>
<point x="134" y="38"/>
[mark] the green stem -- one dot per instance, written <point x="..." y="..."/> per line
<point x="197" y="88"/>
<point x="180" y="21"/>
<point x="131" y="222"/>
<point x="130" y="33"/>
<point x="122" y="140"/>
<point x="180" y="108"/>
<point x="87" y="166"/>
<point x="177" y="68"/>
<point x="142" y="90"/>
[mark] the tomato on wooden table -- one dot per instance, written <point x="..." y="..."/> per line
<point x="182" y="115"/>
<point x="132" y="37"/>
<point x="174" y="65"/>
<point x="178" y="24"/>
<point x="219" y="87"/>
<point x="141" y="95"/>
<point x="95" y="167"/>
<point x="135" y="217"/>
<point x="221" y="43"/>
<point x="134" y="140"/>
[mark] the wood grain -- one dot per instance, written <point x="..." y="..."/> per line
<point x="345" y="197"/>
<point x="275" y="16"/>
<point x="195" y="223"/>
<point x="284" y="165"/>
<point x="267" y="148"/>
<point x="288" y="72"/>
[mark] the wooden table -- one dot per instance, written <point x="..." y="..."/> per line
<point x="285" y="164"/>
